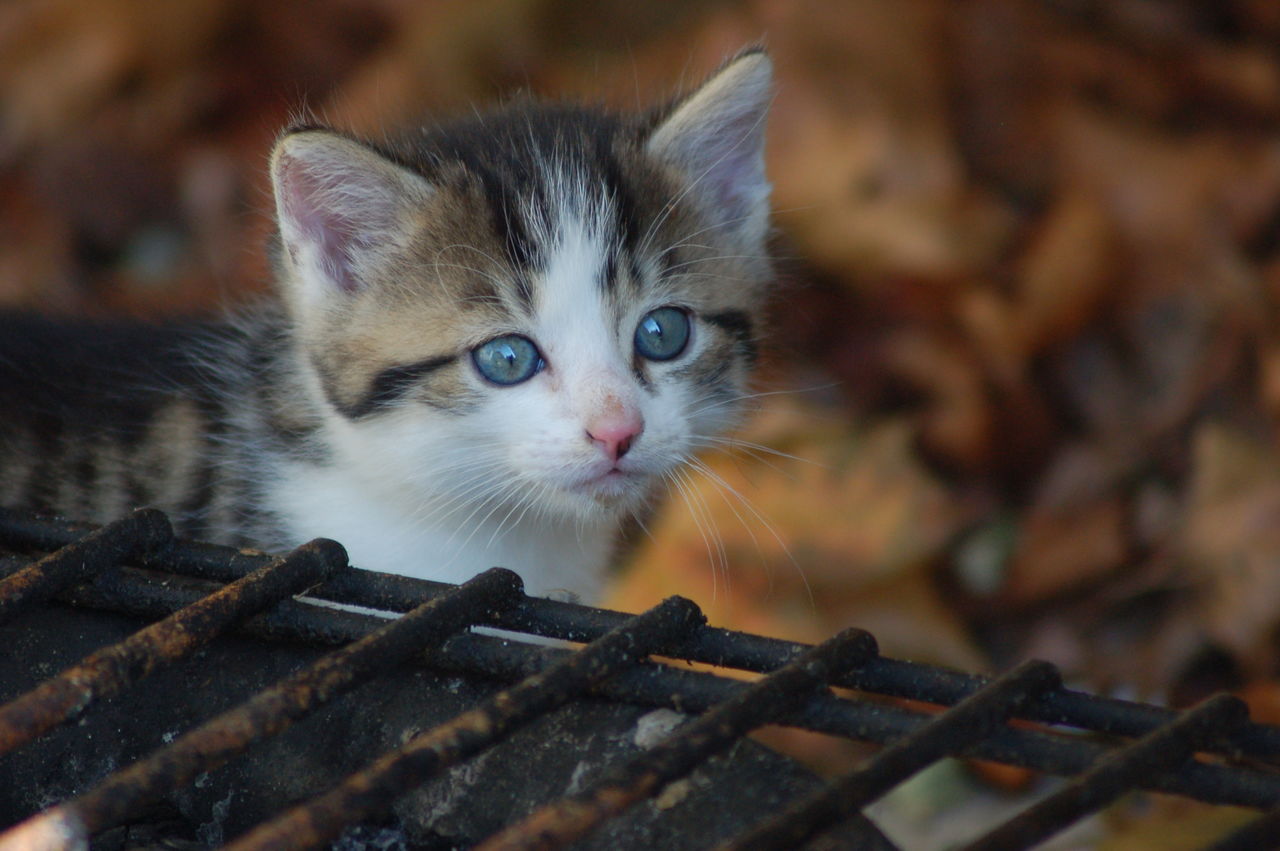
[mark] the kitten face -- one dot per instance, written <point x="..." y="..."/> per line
<point x="541" y="313"/>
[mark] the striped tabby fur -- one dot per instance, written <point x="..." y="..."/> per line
<point x="356" y="409"/>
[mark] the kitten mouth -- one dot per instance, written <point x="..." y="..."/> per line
<point x="613" y="474"/>
<point x="610" y="485"/>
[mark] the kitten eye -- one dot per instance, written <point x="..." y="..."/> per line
<point x="663" y="333"/>
<point x="508" y="360"/>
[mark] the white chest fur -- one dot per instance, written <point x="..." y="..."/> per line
<point x="381" y="533"/>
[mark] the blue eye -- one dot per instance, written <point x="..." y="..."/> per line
<point x="508" y="360"/>
<point x="663" y="333"/>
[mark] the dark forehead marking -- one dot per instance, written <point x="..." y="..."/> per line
<point x="502" y="193"/>
<point x="609" y="269"/>
<point x="636" y="270"/>
<point x="514" y="154"/>
<point x="625" y="226"/>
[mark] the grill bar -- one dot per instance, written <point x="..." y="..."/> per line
<point x="144" y="532"/>
<point x="1117" y="774"/>
<point x="267" y="713"/>
<point x="112" y="568"/>
<point x="689" y="691"/>
<point x="112" y="669"/>
<point x="372" y="790"/>
<point x="720" y="647"/>
<point x="570" y="818"/>
<point x="696" y="692"/>
<point x="969" y="720"/>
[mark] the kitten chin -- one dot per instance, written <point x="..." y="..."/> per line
<point x="495" y="340"/>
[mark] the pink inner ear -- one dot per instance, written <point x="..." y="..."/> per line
<point x="725" y="158"/>
<point x="735" y="175"/>
<point x="310" y="204"/>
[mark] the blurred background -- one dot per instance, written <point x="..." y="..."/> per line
<point x="1024" y="377"/>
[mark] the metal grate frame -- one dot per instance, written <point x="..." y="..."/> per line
<point x="197" y="594"/>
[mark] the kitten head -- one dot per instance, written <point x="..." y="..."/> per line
<point x="547" y="308"/>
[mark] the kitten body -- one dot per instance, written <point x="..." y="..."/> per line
<point x="495" y="342"/>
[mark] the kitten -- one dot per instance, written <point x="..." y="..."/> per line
<point x="494" y="342"/>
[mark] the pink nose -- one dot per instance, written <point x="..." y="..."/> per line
<point x="616" y="435"/>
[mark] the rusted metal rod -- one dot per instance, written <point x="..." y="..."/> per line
<point x="570" y="818"/>
<point x="718" y="647"/>
<point x="689" y="691"/>
<point x="112" y="669"/>
<point x="972" y="719"/>
<point x="365" y="793"/>
<point x="1119" y="772"/>
<point x="143" y="531"/>
<point x="265" y="714"/>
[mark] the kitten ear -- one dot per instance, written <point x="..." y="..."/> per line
<point x="715" y="135"/>
<point x="337" y="203"/>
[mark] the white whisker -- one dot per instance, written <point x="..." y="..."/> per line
<point x="702" y="467"/>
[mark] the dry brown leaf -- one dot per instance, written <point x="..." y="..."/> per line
<point x="1231" y="539"/>
<point x="1065" y="272"/>
<point x="1064" y="549"/>
<point x="957" y="422"/>
<point x="1263" y="698"/>
<point x="864" y="167"/>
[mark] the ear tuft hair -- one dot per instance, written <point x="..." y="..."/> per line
<point x="715" y="136"/>
<point x="336" y="200"/>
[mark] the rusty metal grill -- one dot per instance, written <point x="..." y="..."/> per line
<point x="100" y="747"/>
